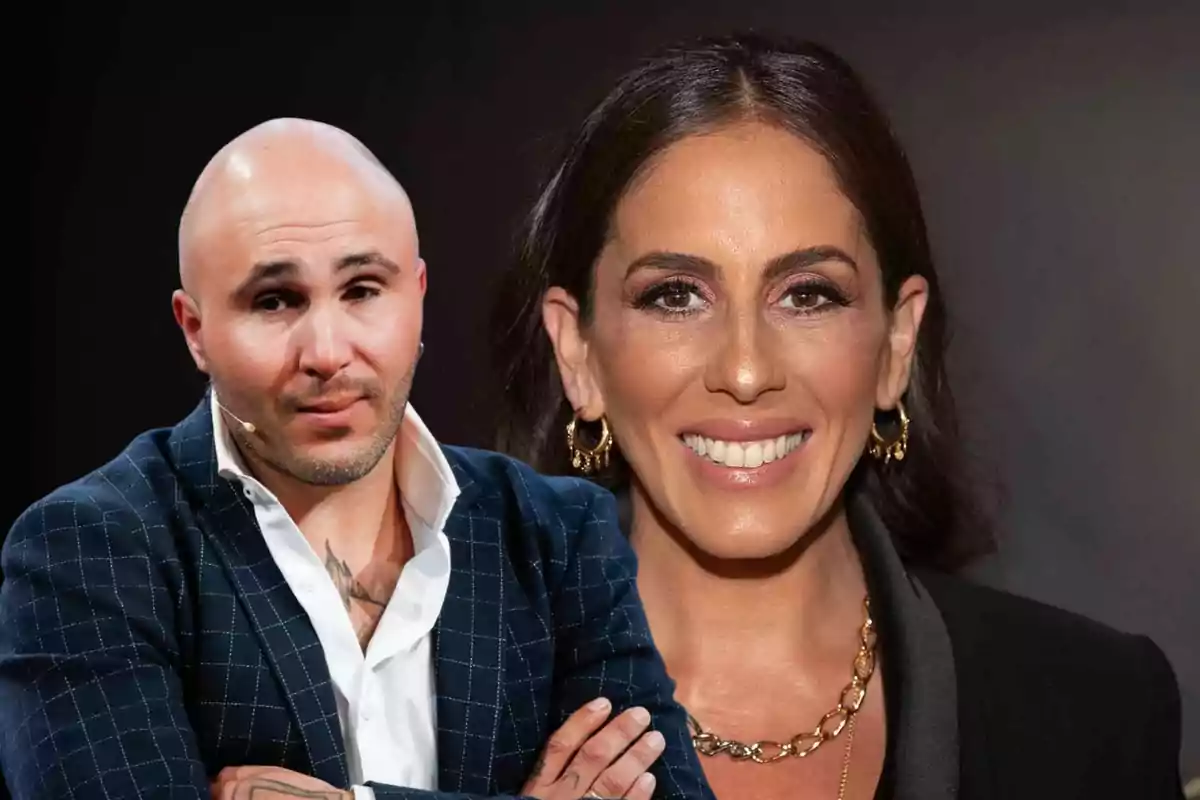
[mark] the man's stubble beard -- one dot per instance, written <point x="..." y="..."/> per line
<point x="326" y="472"/>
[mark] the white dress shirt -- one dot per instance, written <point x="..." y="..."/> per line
<point x="385" y="696"/>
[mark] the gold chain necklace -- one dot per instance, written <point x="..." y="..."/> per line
<point x="808" y="742"/>
<point x="845" y="778"/>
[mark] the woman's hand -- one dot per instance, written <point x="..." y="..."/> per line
<point x="580" y="762"/>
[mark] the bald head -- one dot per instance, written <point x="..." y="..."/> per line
<point x="284" y="172"/>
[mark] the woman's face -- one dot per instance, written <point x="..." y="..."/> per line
<point x="740" y="343"/>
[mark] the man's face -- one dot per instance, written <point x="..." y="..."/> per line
<point x="305" y="310"/>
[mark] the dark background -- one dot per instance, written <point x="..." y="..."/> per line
<point x="1056" y="145"/>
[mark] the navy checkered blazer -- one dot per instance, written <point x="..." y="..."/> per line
<point x="147" y="639"/>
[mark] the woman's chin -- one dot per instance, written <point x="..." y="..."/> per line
<point x="771" y="528"/>
<point x="720" y="550"/>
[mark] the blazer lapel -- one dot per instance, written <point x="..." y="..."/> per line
<point x="286" y="636"/>
<point x="918" y="664"/>
<point x="468" y="647"/>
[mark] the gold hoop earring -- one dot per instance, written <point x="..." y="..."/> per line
<point x="884" y="450"/>
<point x="589" y="459"/>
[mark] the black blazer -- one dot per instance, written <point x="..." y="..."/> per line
<point x="1054" y="705"/>
<point x="994" y="697"/>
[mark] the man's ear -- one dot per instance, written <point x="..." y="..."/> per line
<point x="901" y="345"/>
<point x="187" y="315"/>
<point x="422" y="275"/>
<point x="560" y="316"/>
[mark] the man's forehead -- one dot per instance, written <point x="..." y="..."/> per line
<point x="299" y="240"/>
<point x="315" y="235"/>
<point x="279" y="209"/>
<point x="306" y="177"/>
<point x="255" y="184"/>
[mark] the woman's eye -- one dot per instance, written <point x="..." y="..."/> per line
<point x="672" y="297"/>
<point x="679" y="298"/>
<point x="806" y="298"/>
<point x="803" y="299"/>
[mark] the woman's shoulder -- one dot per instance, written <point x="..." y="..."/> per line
<point x="1004" y="633"/>
<point x="1005" y="625"/>
<point x="1106" y="703"/>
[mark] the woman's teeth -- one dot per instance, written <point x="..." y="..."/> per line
<point x="744" y="455"/>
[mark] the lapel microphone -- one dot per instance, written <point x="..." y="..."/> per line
<point x="248" y="427"/>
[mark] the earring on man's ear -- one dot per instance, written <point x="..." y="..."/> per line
<point x="420" y="350"/>
<point x="884" y="450"/>
<point x="589" y="459"/>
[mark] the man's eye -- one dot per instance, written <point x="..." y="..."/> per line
<point x="276" y="301"/>
<point x="361" y="291"/>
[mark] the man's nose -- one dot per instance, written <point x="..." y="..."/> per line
<point x="323" y="343"/>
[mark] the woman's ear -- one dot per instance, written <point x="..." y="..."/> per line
<point x="560" y="316"/>
<point x="901" y="346"/>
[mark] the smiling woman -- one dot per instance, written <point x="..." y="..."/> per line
<point x="860" y="203"/>
<point x="725" y="308"/>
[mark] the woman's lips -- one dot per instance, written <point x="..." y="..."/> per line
<point x="742" y="464"/>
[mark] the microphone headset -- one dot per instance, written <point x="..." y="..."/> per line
<point x="251" y="428"/>
<point x="248" y="427"/>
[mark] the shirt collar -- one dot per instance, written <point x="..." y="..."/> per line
<point x="423" y="475"/>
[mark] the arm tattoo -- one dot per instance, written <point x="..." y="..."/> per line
<point x="349" y="587"/>
<point x="266" y="789"/>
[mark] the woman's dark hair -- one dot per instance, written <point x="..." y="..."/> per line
<point x="806" y="90"/>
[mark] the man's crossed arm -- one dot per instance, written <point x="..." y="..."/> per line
<point x="589" y="755"/>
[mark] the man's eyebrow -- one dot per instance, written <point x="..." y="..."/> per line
<point x="267" y="270"/>
<point x="276" y="269"/>
<point x="367" y="258"/>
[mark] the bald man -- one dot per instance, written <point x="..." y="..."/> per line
<point x="297" y="592"/>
